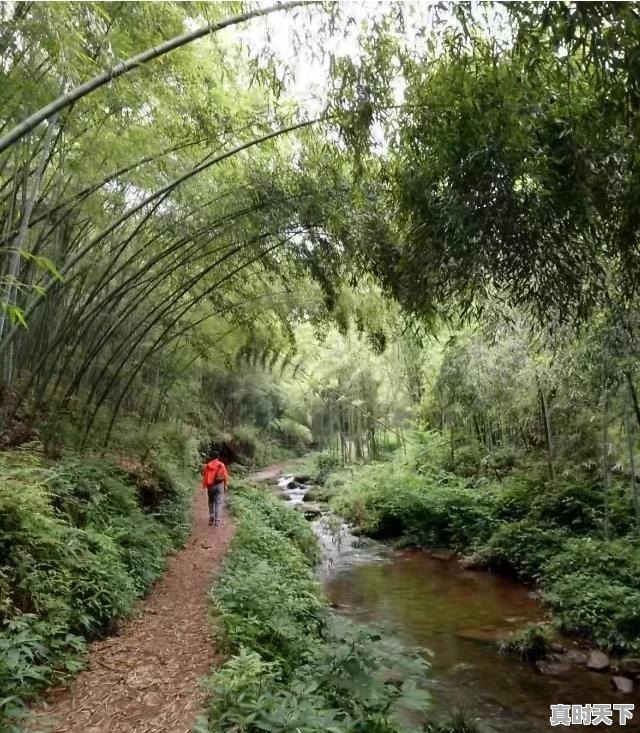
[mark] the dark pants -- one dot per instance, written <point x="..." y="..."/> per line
<point x="215" y="494"/>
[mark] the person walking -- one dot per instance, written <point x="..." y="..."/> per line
<point x="215" y="481"/>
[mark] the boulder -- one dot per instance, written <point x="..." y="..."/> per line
<point x="630" y="665"/>
<point x="622" y="684"/>
<point x="552" y="668"/>
<point x="598" y="661"/>
<point x="557" y="657"/>
<point x="303" y="479"/>
<point x="319" y="493"/>
<point x="558" y="648"/>
<point x="575" y="656"/>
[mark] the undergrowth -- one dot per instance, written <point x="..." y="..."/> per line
<point x="293" y="667"/>
<point x="549" y="533"/>
<point x="80" y="541"/>
<point x="530" y="643"/>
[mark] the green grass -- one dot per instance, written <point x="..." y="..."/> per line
<point x="530" y="643"/>
<point x="80" y="542"/>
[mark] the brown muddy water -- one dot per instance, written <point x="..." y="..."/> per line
<point x="458" y="614"/>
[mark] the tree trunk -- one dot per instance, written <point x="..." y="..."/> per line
<point x="634" y="396"/>
<point x="632" y="465"/>
<point x="13" y="268"/>
<point x="452" y="447"/>
<point x="605" y="462"/>
<point x="546" y="423"/>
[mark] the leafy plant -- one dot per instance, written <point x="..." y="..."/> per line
<point x="78" y="546"/>
<point x="295" y="667"/>
<point x="530" y="643"/>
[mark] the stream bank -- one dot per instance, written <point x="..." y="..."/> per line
<point x="429" y="600"/>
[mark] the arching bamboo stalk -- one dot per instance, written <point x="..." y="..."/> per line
<point x="160" y="192"/>
<point x="174" y="320"/>
<point x="124" y="67"/>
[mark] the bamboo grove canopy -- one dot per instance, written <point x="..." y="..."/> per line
<point x="167" y="192"/>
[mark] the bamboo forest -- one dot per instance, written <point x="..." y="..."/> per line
<point x="319" y="366"/>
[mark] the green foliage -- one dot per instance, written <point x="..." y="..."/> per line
<point x="326" y="463"/>
<point x="293" y="434"/>
<point x="593" y="588"/>
<point x="458" y="722"/>
<point x="433" y="509"/>
<point x="33" y="655"/>
<point x="294" y="667"/>
<point x="249" y="443"/>
<point x="525" y="525"/>
<point x="521" y="548"/>
<point x="530" y="643"/>
<point x="79" y="543"/>
<point x="267" y="596"/>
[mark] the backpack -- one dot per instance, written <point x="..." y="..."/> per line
<point x="213" y="472"/>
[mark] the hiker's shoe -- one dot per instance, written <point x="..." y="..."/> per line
<point x="211" y="522"/>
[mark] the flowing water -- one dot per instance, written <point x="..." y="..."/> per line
<point x="430" y="601"/>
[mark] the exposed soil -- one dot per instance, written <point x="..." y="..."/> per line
<point x="147" y="678"/>
<point x="270" y="472"/>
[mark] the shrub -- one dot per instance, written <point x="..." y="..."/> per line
<point x="530" y="643"/>
<point x="592" y="587"/>
<point x="503" y="459"/>
<point x="518" y="548"/>
<point x="466" y="462"/>
<point x="458" y="722"/>
<point x="596" y="606"/>
<point x="433" y="509"/>
<point x="267" y="597"/>
<point x="326" y="464"/>
<point x="618" y="560"/>
<point x="77" y="548"/>
<point x="247" y="441"/>
<point x="295" y="669"/>
<point x="292" y="434"/>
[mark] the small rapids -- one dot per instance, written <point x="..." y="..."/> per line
<point x="339" y="547"/>
<point x="292" y="489"/>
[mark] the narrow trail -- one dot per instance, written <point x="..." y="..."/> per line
<point x="147" y="678"/>
<point x="269" y="472"/>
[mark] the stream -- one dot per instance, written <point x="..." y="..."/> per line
<point x="429" y="601"/>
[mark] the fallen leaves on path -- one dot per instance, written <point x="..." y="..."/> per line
<point x="147" y="678"/>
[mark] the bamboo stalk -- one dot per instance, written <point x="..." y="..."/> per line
<point x="124" y="67"/>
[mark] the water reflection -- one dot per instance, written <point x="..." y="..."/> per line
<point x="459" y="614"/>
<point x="429" y="601"/>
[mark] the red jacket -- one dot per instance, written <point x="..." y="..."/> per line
<point x="214" y="472"/>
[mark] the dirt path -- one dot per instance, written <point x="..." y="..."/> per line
<point x="267" y="473"/>
<point x="146" y="679"/>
